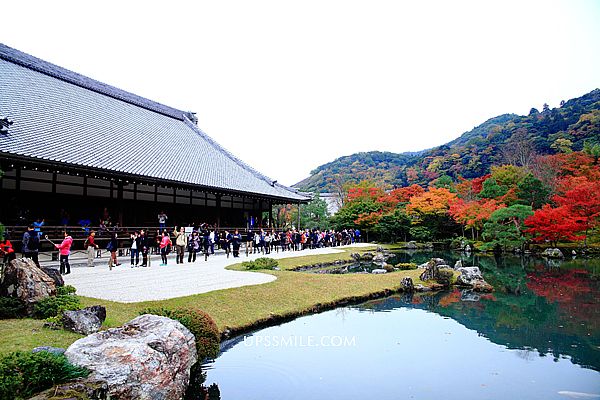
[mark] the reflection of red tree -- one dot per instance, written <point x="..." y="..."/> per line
<point x="450" y="298"/>
<point x="572" y="291"/>
<point x="560" y="287"/>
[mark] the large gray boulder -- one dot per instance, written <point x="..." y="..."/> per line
<point x="411" y="245"/>
<point x="553" y="253"/>
<point x="471" y="277"/>
<point x="55" y="275"/>
<point x="86" y="321"/>
<point x="23" y="280"/>
<point x="149" y="357"/>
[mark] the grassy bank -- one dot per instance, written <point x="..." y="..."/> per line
<point x="291" y="294"/>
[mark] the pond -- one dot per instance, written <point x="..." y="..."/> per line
<point x="536" y="337"/>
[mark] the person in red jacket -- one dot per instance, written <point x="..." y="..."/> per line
<point x="7" y="250"/>
<point x="65" y="249"/>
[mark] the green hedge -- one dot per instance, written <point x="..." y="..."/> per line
<point x="55" y="305"/>
<point x="199" y="323"/>
<point x="24" y="374"/>
<point x="260" y="263"/>
<point x="11" y="308"/>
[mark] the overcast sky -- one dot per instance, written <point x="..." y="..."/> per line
<point x="290" y="85"/>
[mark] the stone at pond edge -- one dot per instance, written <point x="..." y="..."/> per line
<point x="471" y="277"/>
<point x="379" y="271"/>
<point x="553" y="253"/>
<point x="355" y="256"/>
<point x="407" y="284"/>
<point x="25" y="281"/>
<point x="55" y="275"/>
<point x="367" y="256"/>
<point x="458" y="264"/>
<point x="78" y="389"/>
<point x="149" y="357"/>
<point x="86" y="321"/>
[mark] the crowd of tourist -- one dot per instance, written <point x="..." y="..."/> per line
<point x="201" y="240"/>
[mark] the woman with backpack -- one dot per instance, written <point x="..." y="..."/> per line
<point x="193" y="246"/>
<point x="113" y="246"/>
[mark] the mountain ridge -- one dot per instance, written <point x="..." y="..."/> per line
<point x="472" y="153"/>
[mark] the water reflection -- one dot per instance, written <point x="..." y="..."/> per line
<point x="536" y="337"/>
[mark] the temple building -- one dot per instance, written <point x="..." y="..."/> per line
<point x="71" y="147"/>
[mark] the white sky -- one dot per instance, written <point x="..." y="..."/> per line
<point x="290" y="85"/>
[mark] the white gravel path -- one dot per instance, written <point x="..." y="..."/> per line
<point x="129" y="285"/>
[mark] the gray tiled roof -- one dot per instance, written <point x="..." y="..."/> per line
<point x="61" y="116"/>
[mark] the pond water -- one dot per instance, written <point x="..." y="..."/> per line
<point x="536" y="337"/>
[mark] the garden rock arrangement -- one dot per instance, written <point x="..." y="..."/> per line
<point x="55" y="275"/>
<point x="149" y="357"/>
<point x="78" y="389"/>
<point x="471" y="277"/>
<point x="553" y="253"/>
<point x="23" y="280"/>
<point x="86" y="321"/>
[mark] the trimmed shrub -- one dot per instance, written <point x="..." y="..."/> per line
<point x="55" y="305"/>
<point x="24" y="374"/>
<point x="444" y="276"/>
<point x="199" y="323"/>
<point x="389" y="268"/>
<point x="65" y="290"/>
<point x="11" y="308"/>
<point x="406" y="266"/>
<point x="261" y="263"/>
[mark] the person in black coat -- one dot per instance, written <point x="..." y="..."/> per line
<point x="236" y="241"/>
<point x="143" y="246"/>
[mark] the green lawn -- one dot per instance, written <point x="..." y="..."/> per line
<point x="290" y="294"/>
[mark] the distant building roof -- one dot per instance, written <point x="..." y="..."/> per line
<point x="63" y="117"/>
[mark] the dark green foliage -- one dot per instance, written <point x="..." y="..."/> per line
<point x="420" y="234"/>
<point x="54" y="305"/>
<point x="497" y="141"/>
<point x="11" y="308"/>
<point x="261" y="263"/>
<point x="24" y="374"/>
<point x="65" y="290"/>
<point x="532" y="192"/>
<point x="504" y="230"/>
<point x="199" y="323"/>
<point x="492" y="190"/>
<point x="394" y="226"/>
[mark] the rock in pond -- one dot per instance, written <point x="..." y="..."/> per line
<point x="149" y="357"/>
<point x="86" y="321"/>
<point x="553" y="253"/>
<point x="471" y="277"/>
<point x="23" y="280"/>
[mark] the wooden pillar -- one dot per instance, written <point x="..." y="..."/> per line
<point x="260" y="211"/>
<point x="218" y="196"/>
<point x="270" y="214"/>
<point x="120" y="203"/>
<point x="298" y="216"/>
<point x="17" y="178"/>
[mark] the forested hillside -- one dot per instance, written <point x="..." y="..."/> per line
<point x="508" y="138"/>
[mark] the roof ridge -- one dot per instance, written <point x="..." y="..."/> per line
<point x="36" y="64"/>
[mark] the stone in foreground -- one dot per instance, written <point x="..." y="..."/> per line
<point x="149" y="357"/>
<point x="25" y="281"/>
<point x="86" y="321"/>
